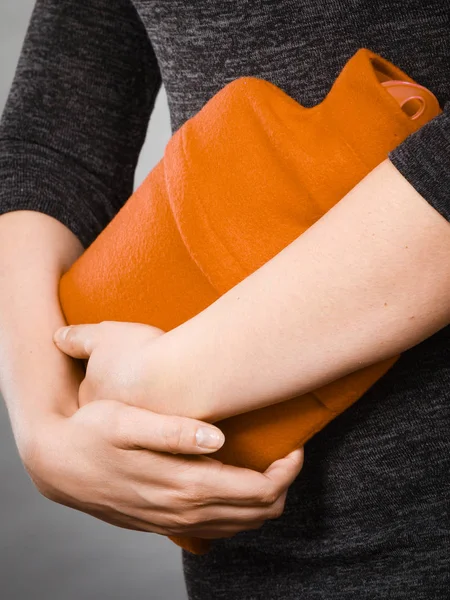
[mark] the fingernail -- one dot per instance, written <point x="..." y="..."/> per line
<point x="61" y="334"/>
<point x="209" y="438"/>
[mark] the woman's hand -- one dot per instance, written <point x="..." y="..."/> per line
<point x="111" y="461"/>
<point x="119" y="366"/>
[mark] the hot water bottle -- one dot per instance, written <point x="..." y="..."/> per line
<point x="239" y="181"/>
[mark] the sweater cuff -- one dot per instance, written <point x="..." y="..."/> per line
<point x="34" y="177"/>
<point x="423" y="158"/>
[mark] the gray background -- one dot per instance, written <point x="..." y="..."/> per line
<point x="46" y="550"/>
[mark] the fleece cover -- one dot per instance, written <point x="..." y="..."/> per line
<point x="238" y="182"/>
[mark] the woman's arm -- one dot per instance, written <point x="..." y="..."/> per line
<point x="35" y="379"/>
<point x="106" y="459"/>
<point x="367" y="281"/>
<point x="70" y="135"/>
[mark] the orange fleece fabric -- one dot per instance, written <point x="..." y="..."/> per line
<point x="239" y="181"/>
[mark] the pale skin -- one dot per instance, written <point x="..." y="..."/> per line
<point x="107" y="459"/>
<point x="369" y="280"/>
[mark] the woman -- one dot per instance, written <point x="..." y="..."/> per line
<point x="368" y="516"/>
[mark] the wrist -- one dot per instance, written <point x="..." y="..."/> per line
<point x="171" y="386"/>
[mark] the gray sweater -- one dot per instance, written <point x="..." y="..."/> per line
<point x="368" y="516"/>
<point x="89" y="73"/>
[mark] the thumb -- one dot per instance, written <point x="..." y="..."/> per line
<point x="284" y="470"/>
<point x="141" y="428"/>
<point x="77" y="340"/>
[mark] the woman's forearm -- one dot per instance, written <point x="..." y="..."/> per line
<point x="367" y="281"/>
<point x="35" y="249"/>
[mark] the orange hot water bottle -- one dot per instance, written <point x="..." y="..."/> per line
<point x="239" y="181"/>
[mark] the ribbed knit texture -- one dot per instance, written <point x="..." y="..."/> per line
<point x="368" y="517"/>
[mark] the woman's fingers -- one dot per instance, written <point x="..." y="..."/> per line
<point x="99" y="461"/>
<point x="137" y="428"/>
<point x="284" y="471"/>
<point x="79" y="341"/>
<point x="225" y="530"/>
<point x="244" y="487"/>
<point x="198" y="496"/>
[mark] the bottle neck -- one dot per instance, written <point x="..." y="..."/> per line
<point x="373" y="109"/>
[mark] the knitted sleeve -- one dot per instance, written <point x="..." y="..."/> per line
<point x="423" y="158"/>
<point x="77" y="113"/>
